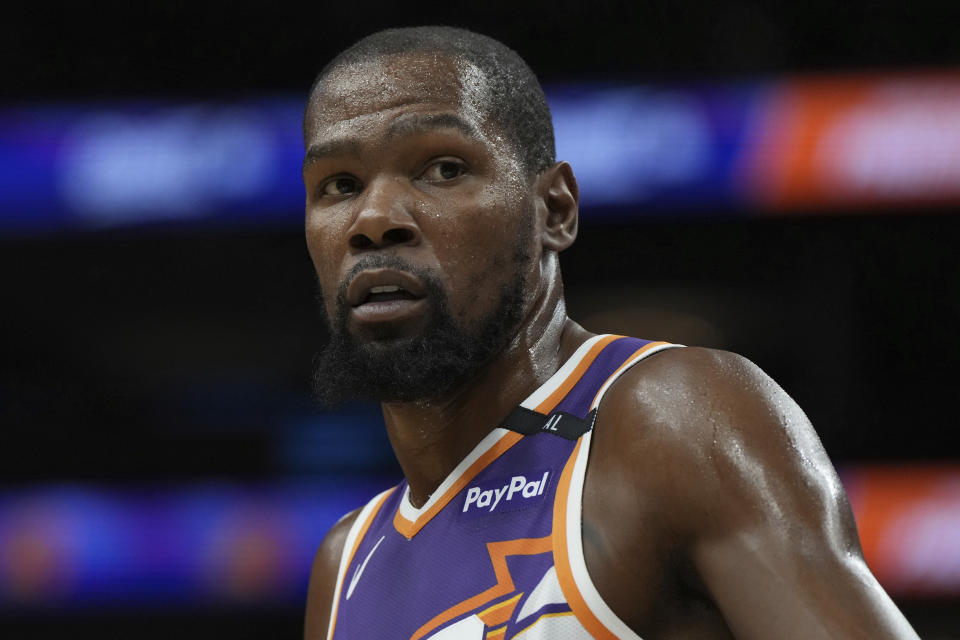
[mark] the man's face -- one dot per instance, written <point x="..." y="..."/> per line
<point x="418" y="222"/>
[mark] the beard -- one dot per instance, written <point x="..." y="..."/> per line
<point x="421" y="367"/>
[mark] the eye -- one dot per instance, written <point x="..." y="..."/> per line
<point x="340" y="186"/>
<point x="443" y="170"/>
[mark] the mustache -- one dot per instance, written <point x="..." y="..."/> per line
<point x="427" y="276"/>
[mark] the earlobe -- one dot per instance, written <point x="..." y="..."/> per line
<point x="561" y="196"/>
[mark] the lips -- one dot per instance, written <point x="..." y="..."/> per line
<point x="384" y="285"/>
<point x="386" y="300"/>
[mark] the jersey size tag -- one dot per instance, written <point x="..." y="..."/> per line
<point x="559" y="423"/>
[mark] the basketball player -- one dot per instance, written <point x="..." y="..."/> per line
<point x="558" y="484"/>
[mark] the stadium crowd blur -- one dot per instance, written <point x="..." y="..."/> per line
<point x="780" y="182"/>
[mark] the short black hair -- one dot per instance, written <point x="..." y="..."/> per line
<point x="517" y="103"/>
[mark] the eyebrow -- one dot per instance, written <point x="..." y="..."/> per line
<point x="337" y="147"/>
<point x="404" y="126"/>
<point x="426" y="122"/>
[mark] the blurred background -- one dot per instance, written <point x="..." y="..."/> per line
<point x="777" y="179"/>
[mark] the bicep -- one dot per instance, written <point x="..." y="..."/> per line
<point x="323" y="579"/>
<point x="766" y="589"/>
<point x="772" y="534"/>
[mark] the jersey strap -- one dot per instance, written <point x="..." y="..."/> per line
<point x="574" y="412"/>
<point x="559" y="423"/>
<point x="578" y="589"/>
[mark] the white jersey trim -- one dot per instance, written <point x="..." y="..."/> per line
<point x="346" y="555"/>
<point x="578" y="564"/>
<point x="412" y="513"/>
<point x="547" y="388"/>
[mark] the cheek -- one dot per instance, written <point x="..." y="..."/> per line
<point x="478" y="253"/>
<point x="326" y="262"/>
<point x="472" y="226"/>
<point x="316" y="248"/>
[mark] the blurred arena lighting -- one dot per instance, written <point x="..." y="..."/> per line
<point x="102" y="165"/>
<point x="908" y="517"/>
<point x="119" y="167"/>
<point x="67" y="547"/>
<point x="857" y="143"/>
<point x="634" y="144"/>
<point x="804" y="143"/>
<point x="73" y="547"/>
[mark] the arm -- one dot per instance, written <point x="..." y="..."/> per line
<point x="323" y="578"/>
<point x="744" y="483"/>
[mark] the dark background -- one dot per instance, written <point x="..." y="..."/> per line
<point x="154" y="355"/>
<point x="118" y="49"/>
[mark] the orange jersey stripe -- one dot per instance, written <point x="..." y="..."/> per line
<point x="498" y="557"/>
<point x="353" y="552"/>
<point x="562" y="561"/>
<point x="410" y="529"/>
<point x="626" y="363"/>
<point x="561" y="391"/>
<point x="499" y="613"/>
<point x="497" y="634"/>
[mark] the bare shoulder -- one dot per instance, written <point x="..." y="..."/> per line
<point x="323" y="578"/>
<point x="723" y="429"/>
<point x="694" y="382"/>
<point x="730" y="476"/>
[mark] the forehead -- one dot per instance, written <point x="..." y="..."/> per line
<point x="376" y="86"/>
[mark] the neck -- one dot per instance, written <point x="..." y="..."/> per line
<point x="431" y="437"/>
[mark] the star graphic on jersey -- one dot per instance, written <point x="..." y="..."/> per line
<point x="503" y="611"/>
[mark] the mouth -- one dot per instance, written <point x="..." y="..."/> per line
<point x="386" y="293"/>
<point x="385" y="296"/>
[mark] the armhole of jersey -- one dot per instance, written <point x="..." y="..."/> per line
<point x="354" y="537"/>
<point x="582" y="595"/>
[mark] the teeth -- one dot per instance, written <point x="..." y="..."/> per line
<point x="386" y="288"/>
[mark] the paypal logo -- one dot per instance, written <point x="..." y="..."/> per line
<point x="517" y="488"/>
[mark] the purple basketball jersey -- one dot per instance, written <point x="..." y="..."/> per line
<point x="495" y="553"/>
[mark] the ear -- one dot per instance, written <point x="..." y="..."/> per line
<point x="558" y="191"/>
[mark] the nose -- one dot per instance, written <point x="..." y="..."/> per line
<point x="384" y="219"/>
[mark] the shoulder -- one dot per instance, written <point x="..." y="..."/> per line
<point x="716" y="430"/>
<point x="323" y="577"/>
<point x="688" y="380"/>
<point x="700" y="456"/>
<point x="695" y="397"/>
<point x="678" y="393"/>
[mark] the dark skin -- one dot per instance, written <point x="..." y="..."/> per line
<point x="710" y="507"/>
